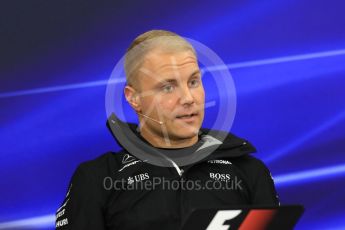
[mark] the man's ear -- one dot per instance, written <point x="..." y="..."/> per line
<point x="132" y="97"/>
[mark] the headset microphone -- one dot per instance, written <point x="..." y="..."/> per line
<point x="159" y="122"/>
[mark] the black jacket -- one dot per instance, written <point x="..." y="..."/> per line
<point x="119" y="191"/>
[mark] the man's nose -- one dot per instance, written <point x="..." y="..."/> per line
<point x="186" y="96"/>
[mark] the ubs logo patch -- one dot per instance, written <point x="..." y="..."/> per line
<point x="138" y="178"/>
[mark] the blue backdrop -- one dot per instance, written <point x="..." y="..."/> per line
<point x="287" y="59"/>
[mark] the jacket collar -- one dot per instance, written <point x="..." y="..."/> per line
<point x="231" y="147"/>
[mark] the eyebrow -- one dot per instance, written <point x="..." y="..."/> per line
<point x="173" y="80"/>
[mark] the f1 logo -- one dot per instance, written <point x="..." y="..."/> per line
<point x="221" y="217"/>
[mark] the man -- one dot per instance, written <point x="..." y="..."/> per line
<point x="125" y="191"/>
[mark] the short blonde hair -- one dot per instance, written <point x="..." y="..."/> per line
<point x="165" y="40"/>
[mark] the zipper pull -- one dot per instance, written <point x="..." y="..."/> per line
<point x="180" y="172"/>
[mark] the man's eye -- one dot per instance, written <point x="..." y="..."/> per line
<point x="194" y="83"/>
<point x="168" y="88"/>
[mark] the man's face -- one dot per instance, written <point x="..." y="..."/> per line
<point x="171" y="91"/>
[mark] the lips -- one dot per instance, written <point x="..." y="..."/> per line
<point x="186" y="116"/>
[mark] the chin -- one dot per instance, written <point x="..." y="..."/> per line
<point x="185" y="133"/>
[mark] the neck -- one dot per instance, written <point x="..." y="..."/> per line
<point x="160" y="141"/>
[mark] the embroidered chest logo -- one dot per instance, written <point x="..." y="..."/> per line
<point x="220" y="176"/>
<point x="138" y="178"/>
<point x="224" y="162"/>
<point x="129" y="160"/>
